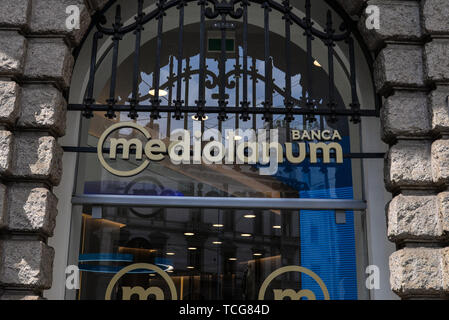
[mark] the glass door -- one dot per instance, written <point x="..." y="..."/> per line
<point x="214" y="254"/>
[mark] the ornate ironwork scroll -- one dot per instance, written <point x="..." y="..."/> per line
<point x="221" y="11"/>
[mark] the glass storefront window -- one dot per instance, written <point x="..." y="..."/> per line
<point x="213" y="254"/>
<point x="329" y="180"/>
<point x="305" y="180"/>
<point x="127" y="251"/>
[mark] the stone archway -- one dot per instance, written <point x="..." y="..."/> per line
<point x="36" y="62"/>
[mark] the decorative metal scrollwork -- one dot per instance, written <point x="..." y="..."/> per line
<point x="223" y="10"/>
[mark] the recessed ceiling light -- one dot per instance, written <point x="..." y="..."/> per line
<point x="276" y="227"/>
<point x="191" y="248"/>
<point x="189" y="233"/>
<point x="257" y="254"/>
<point x="162" y="93"/>
<point x="217" y="242"/>
<point x="249" y="216"/>
<point x="317" y="64"/>
<point x="190" y="267"/>
<point x="232" y="259"/>
<point x="246" y="234"/>
<point x="170" y="253"/>
<point x="218" y="225"/>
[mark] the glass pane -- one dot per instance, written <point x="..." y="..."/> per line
<point x="229" y="178"/>
<point x="210" y="254"/>
<point x="287" y="180"/>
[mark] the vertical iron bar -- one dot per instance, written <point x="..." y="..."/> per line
<point x="254" y="91"/>
<point x="134" y="101"/>
<point x="355" y="105"/>
<point x="222" y="67"/>
<point x="178" y="102"/>
<point x="155" y="102"/>
<point x="186" y="91"/>
<point x="268" y="65"/>
<point x="308" y="32"/>
<point x="330" y="47"/>
<point x="288" y="77"/>
<point x="110" y="114"/>
<point x="245" y="104"/>
<point x="89" y="100"/>
<point x="237" y="84"/>
<point x="170" y="96"/>
<point x="201" y="102"/>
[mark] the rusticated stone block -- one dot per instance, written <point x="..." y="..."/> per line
<point x="408" y="165"/>
<point x="26" y="264"/>
<point x="14" y="14"/>
<point x="405" y="114"/>
<point x="49" y="59"/>
<point x="440" y="161"/>
<point x="3" y="208"/>
<point x="38" y="156"/>
<point x="9" y="101"/>
<point x="43" y="107"/>
<point x="436" y="60"/>
<point x="12" y="52"/>
<point x="414" y="218"/>
<point x="6" y="152"/>
<point x="399" y="21"/>
<point x="439" y="106"/>
<point x="49" y="17"/>
<point x="399" y="66"/>
<point x="419" y="272"/>
<point x="31" y="209"/>
<point x="443" y="201"/>
<point x="435" y="13"/>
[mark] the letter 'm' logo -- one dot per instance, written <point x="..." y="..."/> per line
<point x="280" y="294"/>
<point x="143" y="294"/>
<point x="126" y="147"/>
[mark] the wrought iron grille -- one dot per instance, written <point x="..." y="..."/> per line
<point x="220" y="11"/>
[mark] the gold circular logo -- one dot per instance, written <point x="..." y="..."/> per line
<point x="147" y="266"/>
<point x="306" y="293"/>
<point x="103" y="137"/>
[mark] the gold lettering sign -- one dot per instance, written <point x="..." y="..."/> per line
<point x="256" y="150"/>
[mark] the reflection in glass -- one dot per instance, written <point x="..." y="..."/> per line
<point x="217" y="263"/>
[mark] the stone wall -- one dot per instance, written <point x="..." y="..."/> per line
<point x="411" y="72"/>
<point x="36" y="62"/>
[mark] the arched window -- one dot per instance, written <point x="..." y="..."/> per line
<point x="220" y="141"/>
